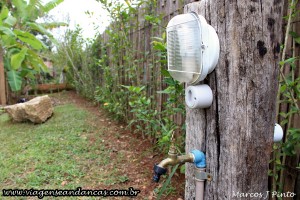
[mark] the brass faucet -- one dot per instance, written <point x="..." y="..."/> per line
<point x="172" y="160"/>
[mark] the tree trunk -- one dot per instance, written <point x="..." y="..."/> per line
<point x="2" y="80"/>
<point x="236" y="132"/>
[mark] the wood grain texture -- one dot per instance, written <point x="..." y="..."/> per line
<point x="236" y="132"/>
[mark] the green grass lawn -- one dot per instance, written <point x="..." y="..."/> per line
<point x="79" y="146"/>
<point x="54" y="155"/>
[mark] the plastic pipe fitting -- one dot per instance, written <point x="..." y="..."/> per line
<point x="199" y="158"/>
<point x="278" y="133"/>
<point x="199" y="96"/>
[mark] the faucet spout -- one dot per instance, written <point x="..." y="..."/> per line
<point x="172" y="160"/>
<point x="197" y="157"/>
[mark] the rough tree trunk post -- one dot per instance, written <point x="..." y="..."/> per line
<point x="2" y="80"/>
<point x="236" y="132"/>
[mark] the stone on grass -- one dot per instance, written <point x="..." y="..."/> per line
<point x="37" y="110"/>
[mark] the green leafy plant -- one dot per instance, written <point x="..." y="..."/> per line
<point x="289" y="96"/>
<point x="75" y="56"/>
<point x="122" y="92"/>
<point x="166" y="184"/>
<point x="145" y="120"/>
<point x="18" y="42"/>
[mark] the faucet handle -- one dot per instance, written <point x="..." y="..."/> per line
<point x="158" y="172"/>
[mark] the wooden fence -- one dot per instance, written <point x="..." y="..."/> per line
<point x="149" y="69"/>
<point x="291" y="175"/>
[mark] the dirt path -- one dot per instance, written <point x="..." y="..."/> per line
<point x="131" y="157"/>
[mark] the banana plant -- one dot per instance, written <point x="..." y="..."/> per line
<point x="22" y="49"/>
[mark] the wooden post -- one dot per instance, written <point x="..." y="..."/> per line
<point x="2" y="80"/>
<point x="236" y="132"/>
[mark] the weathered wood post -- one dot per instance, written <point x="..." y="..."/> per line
<point x="236" y="132"/>
<point x="2" y="80"/>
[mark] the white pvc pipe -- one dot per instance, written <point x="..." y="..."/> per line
<point x="199" y="190"/>
<point x="199" y="186"/>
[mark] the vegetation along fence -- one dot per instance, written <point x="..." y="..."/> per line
<point x="285" y="169"/>
<point x="124" y="69"/>
<point x="137" y="67"/>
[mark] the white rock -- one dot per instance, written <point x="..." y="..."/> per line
<point x="37" y="110"/>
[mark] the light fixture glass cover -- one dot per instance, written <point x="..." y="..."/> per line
<point x="193" y="48"/>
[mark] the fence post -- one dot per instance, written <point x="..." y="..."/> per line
<point x="236" y="132"/>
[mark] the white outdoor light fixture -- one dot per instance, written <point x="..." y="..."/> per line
<point x="193" y="48"/>
<point x="193" y="52"/>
